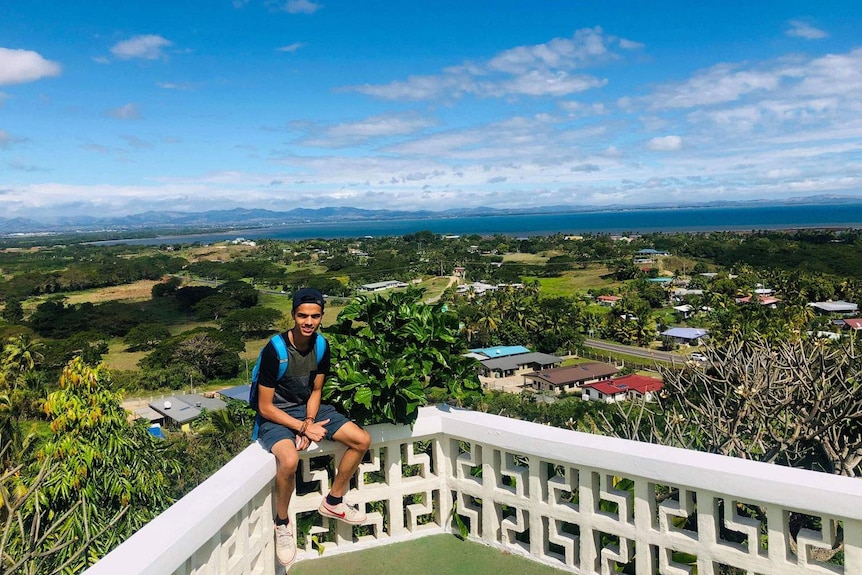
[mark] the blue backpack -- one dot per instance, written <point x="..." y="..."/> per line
<point x="281" y="350"/>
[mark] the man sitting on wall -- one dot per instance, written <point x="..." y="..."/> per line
<point x="293" y="416"/>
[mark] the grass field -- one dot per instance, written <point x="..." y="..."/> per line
<point x="575" y="281"/>
<point x="525" y="258"/>
<point x="138" y="291"/>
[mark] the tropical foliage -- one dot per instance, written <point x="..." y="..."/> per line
<point x="94" y="481"/>
<point x="393" y="355"/>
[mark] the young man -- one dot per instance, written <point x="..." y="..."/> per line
<point x="293" y="416"/>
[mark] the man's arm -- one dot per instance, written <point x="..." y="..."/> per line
<point x="315" y="430"/>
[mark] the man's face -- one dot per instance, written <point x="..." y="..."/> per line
<point x="307" y="317"/>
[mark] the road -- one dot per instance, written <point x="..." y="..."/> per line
<point x="635" y="351"/>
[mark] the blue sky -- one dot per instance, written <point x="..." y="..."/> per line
<point x="112" y="108"/>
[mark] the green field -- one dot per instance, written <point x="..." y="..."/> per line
<point x="575" y="281"/>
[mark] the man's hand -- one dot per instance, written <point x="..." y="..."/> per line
<point x="315" y="431"/>
<point x="302" y="442"/>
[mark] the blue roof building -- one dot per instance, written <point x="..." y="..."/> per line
<point x="500" y="351"/>
<point x="239" y="392"/>
<point x="691" y="335"/>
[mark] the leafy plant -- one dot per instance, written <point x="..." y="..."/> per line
<point x="107" y="476"/>
<point x="393" y="355"/>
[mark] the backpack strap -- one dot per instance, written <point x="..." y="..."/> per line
<point x="281" y="351"/>
<point x="320" y="347"/>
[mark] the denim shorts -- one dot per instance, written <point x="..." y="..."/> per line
<point x="271" y="433"/>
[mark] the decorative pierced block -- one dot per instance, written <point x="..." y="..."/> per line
<point x="567" y="536"/>
<point x="467" y="462"/>
<point x="410" y="458"/>
<point x="506" y="465"/>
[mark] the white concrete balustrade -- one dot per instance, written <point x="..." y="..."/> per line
<point x="579" y="502"/>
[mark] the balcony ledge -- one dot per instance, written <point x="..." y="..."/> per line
<point x="520" y="502"/>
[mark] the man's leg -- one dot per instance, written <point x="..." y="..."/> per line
<point x="357" y="442"/>
<point x="286" y="461"/>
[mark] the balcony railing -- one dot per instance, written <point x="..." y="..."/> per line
<point x="579" y="502"/>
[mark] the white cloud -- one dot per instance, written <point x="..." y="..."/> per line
<point x="126" y="112"/>
<point x="783" y="173"/>
<point x="665" y="144"/>
<point x="630" y="44"/>
<point x="20" y="66"/>
<point x="721" y="83"/>
<point x="353" y="133"/>
<point x="21" y="166"/>
<point x="587" y="168"/>
<point x="147" y="47"/>
<point x="136" y="142"/>
<point x="175" y="85"/>
<point x="586" y="46"/>
<point x="801" y="29"/>
<point x="545" y="83"/>
<point x="7" y="140"/>
<point x="793" y="97"/>
<point x="299" y="6"/>
<point x="291" y="48"/>
<point x="535" y="70"/>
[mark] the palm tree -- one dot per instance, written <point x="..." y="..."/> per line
<point x="21" y="354"/>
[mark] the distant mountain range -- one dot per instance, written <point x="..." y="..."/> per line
<point x="251" y="218"/>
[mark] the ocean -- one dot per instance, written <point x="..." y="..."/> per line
<point x="619" y="221"/>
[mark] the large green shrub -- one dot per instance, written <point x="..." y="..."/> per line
<point x="393" y="355"/>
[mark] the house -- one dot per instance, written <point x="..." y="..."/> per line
<point x="680" y="293"/>
<point x="686" y="335"/>
<point x="608" y="300"/>
<point x="180" y="410"/>
<point x="569" y="378"/>
<point x="622" y="388"/>
<point x="650" y="252"/>
<point x="477" y="288"/>
<point x="839" y="306"/>
<point x="499" y="351"/>
<point x="240" y="392"/>
<point x="380" y="286"/>
<point x="852" y="323"/>
<point x="506" y="366"/>
<point x="683" y="311"/>
<point x="766" y="300"/>
<point x="149" y="414"/>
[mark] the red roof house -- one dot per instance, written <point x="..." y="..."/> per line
<point x="621" y="388"/>
<point x="608" y="300"/>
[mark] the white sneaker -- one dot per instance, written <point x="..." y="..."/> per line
<point x="285" y="544"/>
<point x="342" y="512"/>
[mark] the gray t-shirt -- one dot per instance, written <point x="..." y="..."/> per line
<point x="295" y="387"/>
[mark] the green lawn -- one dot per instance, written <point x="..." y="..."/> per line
<point x="576" y="281"/>
<point x="520" y="258"/>
<point x="433" y="555"/>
